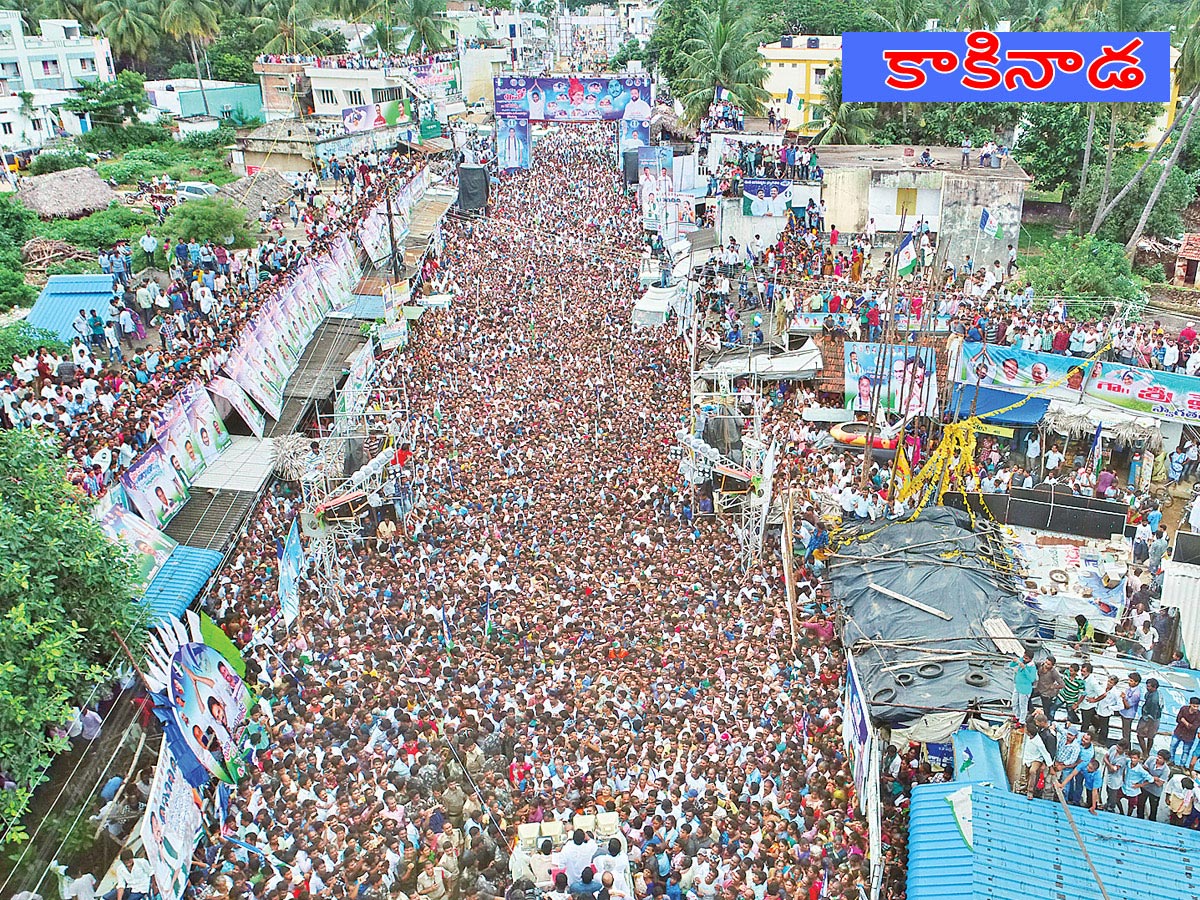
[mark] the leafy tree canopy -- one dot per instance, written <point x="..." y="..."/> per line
<point x="815" y="17"/>
<point x="1165" y="219"/>
<point x="111" y="103"/>
<point x="1086" y="268"/>
<point x="214" y="219"/>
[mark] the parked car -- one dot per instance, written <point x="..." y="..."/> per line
<point x="194" y="190"/>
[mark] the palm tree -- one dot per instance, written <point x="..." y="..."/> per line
<point x="845" y="123"/>
<point x="131" y="26"/>
<point x="286" y="26"/>
<point x="195" y="20"/>
<point x="1033" y="15"/>
<point x="425" y="22"/>
<point x="904" y="15"/>
<point x="354" y="11"/>
<point x="380" y="40"/>
<point x="722" y="53"/>
<point x="978" y="15"/>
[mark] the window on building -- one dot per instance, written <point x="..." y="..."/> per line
<point x="6" y="127"/>
<point x="354" y="98"/>
<point x="385" y="95"/>
<point x="286" y="89"/>
<point x="794" y="65"/>
<point x="37" y="124"/>
<point x="818" y="76"/>
<point x="329" y="98"/>
<point x="818" y="113"/>
<point x="87" y="64"/>
<point x="50" y="67"/>
<point x="906" y="201"/>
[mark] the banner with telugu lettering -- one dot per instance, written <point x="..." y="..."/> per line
<point x="170" y="826"/>
<point x="573" y="98"/>
<point x="1164" y="395"/>
<point x="905" y="384"/>
<point x="156" y="489"/>
<point x="1022" y="371"/>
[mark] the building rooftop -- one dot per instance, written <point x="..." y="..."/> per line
<point x="800" y="44"/>
<point x="895" y="158"/>
<point x="63" y="297"/>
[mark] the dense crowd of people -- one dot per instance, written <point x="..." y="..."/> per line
<point x="154" y="335"/>
<point x="540" y="627"/>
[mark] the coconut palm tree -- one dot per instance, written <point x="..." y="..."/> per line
<point x="355" y="12"/>
<point x="845" y="123"/>
<point x="424" y="21"/>
<point x="904" y="15"/>
<point x="195" y="21"/>
<point x="380" y="40"/>
<point x="286" y="25"/>
<point x="978" y="14"/>
<point x="131" y="26"/>
<point x="722" y="53"/>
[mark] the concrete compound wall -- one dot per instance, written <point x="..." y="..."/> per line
<point x="889" y="200"/>
<point x="845" y="193"/>
<point x="963" y="201"/>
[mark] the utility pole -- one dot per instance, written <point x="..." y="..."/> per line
<point x="392" y="236"/>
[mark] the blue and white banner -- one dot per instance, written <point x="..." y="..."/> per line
<point x="291" y="564"/>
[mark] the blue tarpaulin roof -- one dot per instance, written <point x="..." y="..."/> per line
<point x="988" y="400"/>
<point x="1025" y="849"/>
<point x="64" y="296"/>
<point x="180" y="581"/>
<point x="977" y="759"/>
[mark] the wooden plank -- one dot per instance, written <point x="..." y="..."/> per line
<point x="915" y="604"/>
<point x="1003" y="637"/>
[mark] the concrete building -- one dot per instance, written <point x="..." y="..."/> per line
<point x="285" y="90"/>
<point x="181" y="97"/>
<point x="38" y="72"/>
<point x="800" y="64"/>
<point x="885" y="184"/>
<point x="479" y="66"/>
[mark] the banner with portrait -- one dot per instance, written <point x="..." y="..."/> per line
<point x="156" y="488"/>
<point x="1164" y="395"/>
<point x="632" y="134"/>
<point x="170" y="826"/>
<point x="291" y="564"/>
<point x="357" y="119"/>
<point x="573" y="98"/>
<point x="1022" y="371"/>
<point x="150" y="546"/>
<point x="903" y="382"/>
<point x="767" y="197"/>
<point x="209" y="435"/>
<point x="513" y="143"/>
<point x="201" y="700"/>
<point x="856" y="730"/>
<point x="231" y="391"/>
<point x="655" y="180"/>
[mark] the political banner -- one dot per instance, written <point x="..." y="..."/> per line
<point x="394" y="335"/>
<point x="856" y="732"/>
<point x="573" y="98"/>
<point x="174" y="434"/>
<point x="439" y="79"/>
<point x="767" y="197"/>
<point x="1165" y="395"/>
<point x="1010" y="67"/>
<point x="156" y="489"/>
<point x="201" y="701"/>
<point x="256" y="368"/>
<point x="632" y="135"/>
<point x="231" y="391"/>
<point x="654" y="182"/>
<point x="1022" y="371"/>
<point x="149" y="545"/>
<point x="352" y="399"/>
<point x="291" y="564"/>
<point x="209" y="434"/>
<point x="899" y="382"/>
<point x="513" y="142"/>
<point x="170" y="826"/>
<point x="395" y="298"/>
<point x="356" y="119"/>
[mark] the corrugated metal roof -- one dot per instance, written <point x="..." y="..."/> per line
<point x="63" y="297"/>
<point x="180" y="581"/>
<point x="1025" y="849"/>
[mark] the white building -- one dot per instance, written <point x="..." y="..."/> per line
<point x="37" y="73"/>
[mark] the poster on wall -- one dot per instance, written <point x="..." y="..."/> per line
<point x="900" y="383"/>
<point x="512" y="143"/>
<point x="573" y="98"/>
<point x="201" y="701"/>
<point x="356" y="119"/>
<point x="150" y="547"/>
<point x="170" y="826"/>
<point x="208" y="431"/>
<point x="1166" y="395"/>
<point x="766" y="197"/>
<point x="232" y="391"/>
<point x="156" y="489"/>
<point x="174" y="434"/>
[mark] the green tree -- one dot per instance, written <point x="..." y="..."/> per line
<point x="16" y="223"/>
<point x="215" y="219"/>
<point x="1053" y="140"/>
<point x="285" y="26"/>
<point x="57" y="161"/>
<point x="904" y="15"/>
<point x="1165" y="219"/>
<point x="113" y="102"/>
<point x="1086" y="268"/>
<point x="22" y="338"/>
<point x="673" y="24"/>
<point x="424" y="22"/>
<point x="977" y="15"/>
<point x="815" y="17"/>
<point x="131" y="26"/>
<point x="64" y="590"/>
<point x="844" y="123"/>
<point x="14" y="292"/>
<point x="196" y="22"/>
<point x="723" y="52"/>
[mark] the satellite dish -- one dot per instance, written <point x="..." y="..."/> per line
<point x="311" y="525"/>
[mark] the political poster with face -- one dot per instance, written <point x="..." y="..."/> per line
<point x="632" y="134"/>
<point x="573" y="98"/>
<point x="170" y="826"/>
<point x="150" y="546"/>
<point x="768" y="197"/>
<point x="898" y="382"/>
<point x="231" y="391"/>
<point x="174" y="433"/>
<point x="291" y="564"/>
<point x="208" y="431"/>
<point x="513" y="143"/>
<point x="156" y="489"/>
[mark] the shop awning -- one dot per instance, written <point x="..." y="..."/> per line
<point x="987" y="401"/>
<point x="180" y="581"/>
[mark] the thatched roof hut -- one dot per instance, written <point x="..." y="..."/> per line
<point x="252" y="190"/>
<point x="69" y="194"/>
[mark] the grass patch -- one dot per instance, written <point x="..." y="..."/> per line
<point x="1054" y="196"/>
<point x="1036" y="237"/>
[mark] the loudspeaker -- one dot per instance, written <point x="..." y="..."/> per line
<point x="354" y="457"/>
<point x="472" y="188"/>
<point x="786" y="42"/>
<point x="629" y="164"/>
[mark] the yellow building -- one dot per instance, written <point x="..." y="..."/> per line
<point x="800" y="64"/>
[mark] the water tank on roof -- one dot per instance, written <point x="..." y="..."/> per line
<point x="786" y="42"/>
<point x="814" y="43"/>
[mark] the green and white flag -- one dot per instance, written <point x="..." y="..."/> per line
<point x="906" y="256"/>
<point x="989" y="225"/>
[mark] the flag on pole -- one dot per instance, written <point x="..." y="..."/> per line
<point x="720" y="93"/>
<point x="990" y="226"/>
<point x="800" y="104"/>
<point x="1097" y="454"/>
<point x="790" y="97"/>
<point x="906" y="256"/>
